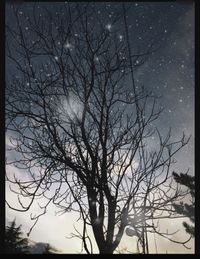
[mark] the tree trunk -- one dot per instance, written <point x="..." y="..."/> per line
<point x="106" y="250"/>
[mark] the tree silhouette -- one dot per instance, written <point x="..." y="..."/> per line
<point x="49" y="249"/>
<point x="155" y="202"/>
<point x="81" y="126"/>
<point x="14" y="242"/>
<point x="184" y="208"/>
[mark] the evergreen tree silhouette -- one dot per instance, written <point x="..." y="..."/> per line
<point x="185" y="208"/>
<point x="14" y="242"/>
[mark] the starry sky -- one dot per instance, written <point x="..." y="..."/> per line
<point x="168" y="72"/>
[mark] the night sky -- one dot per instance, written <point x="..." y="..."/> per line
<point x="168" y="72"/>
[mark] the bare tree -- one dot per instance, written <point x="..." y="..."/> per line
<point x="80" y="125"/>
<point x="153" y="203"/>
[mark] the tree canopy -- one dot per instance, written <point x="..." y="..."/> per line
<point x="81" y="126"/>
